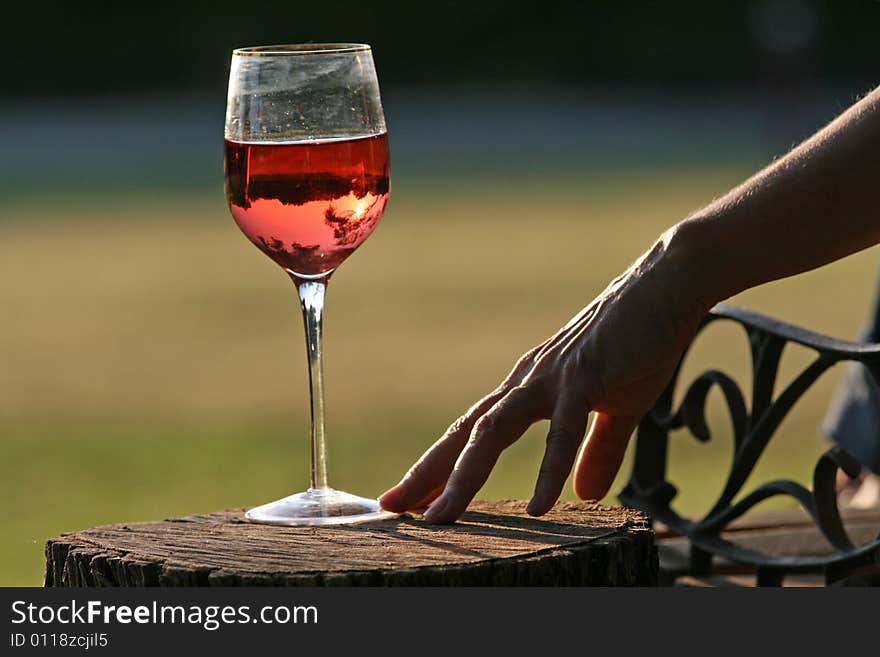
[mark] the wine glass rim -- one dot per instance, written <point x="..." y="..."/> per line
<point x="295" y="49"/>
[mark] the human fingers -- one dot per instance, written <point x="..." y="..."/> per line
<point x="602" y="454"/>
<point x="567" y="427"/>
<point x="498" y="428"/>
<point x="426" y="478"/>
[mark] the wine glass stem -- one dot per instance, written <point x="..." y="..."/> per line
<point x="311" y="295"/>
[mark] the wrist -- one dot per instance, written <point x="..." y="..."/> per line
<point x="692" y="271"/>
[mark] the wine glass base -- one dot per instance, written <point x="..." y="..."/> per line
<point x="319" y="506"/>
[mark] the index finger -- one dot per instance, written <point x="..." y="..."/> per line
<point x="501" y="426"/>
<point x="426" y="478"/>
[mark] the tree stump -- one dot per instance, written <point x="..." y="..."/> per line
<point x="494" y="543"/>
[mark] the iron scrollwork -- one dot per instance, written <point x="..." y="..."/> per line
<point x="649" y="490"/>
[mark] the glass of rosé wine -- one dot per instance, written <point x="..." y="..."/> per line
<point x="306" y="167"/>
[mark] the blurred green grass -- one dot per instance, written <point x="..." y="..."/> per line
<point x="153" y="361"/>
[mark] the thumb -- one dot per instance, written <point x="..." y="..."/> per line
<point x="602" y="454"/>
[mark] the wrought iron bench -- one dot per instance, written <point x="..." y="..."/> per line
<point x="753" y="426"/>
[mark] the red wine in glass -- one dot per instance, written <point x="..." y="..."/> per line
<point x="308" y="205"/>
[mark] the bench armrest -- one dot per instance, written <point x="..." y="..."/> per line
<point x="753" y="427"/>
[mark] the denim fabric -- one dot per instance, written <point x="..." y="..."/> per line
<point x="853" y="420"/>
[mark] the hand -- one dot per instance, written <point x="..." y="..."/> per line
<point x="614" y="358"/>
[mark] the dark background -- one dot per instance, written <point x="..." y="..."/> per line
<point x="113" y="95"/>
<point x="82" y="49"/>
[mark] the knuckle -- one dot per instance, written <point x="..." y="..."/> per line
<point x="529" y="398"/>
<point x="458" y="425"/>
<point x="527" y="362"/>
<point x="577" y="367"/>
<point x="544" y="362"/>
<point x="530" y="355"/>
<point x="560" y="435"/>
<point x="520" y="392"/>
<point x="538" y="380"/>
<point x="533" y="397"/>
<point x="483" y="427"/>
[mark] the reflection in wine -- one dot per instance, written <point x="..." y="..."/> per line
<point x="308" y="205"/>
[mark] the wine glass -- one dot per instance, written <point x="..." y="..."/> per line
<point x="306" y="164"/>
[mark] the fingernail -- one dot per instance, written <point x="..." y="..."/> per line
<point x="436" y="509"/>
<point x="390" y="491"/>
<point x="392" y="498"/>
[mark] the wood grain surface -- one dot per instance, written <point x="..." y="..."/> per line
<point x="495" y="543"/>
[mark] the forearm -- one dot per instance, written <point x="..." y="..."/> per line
<point x="817" y="204"/>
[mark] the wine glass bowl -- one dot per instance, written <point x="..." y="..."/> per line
<point x="307" y="180"/>
<point x="308" y="205"/>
